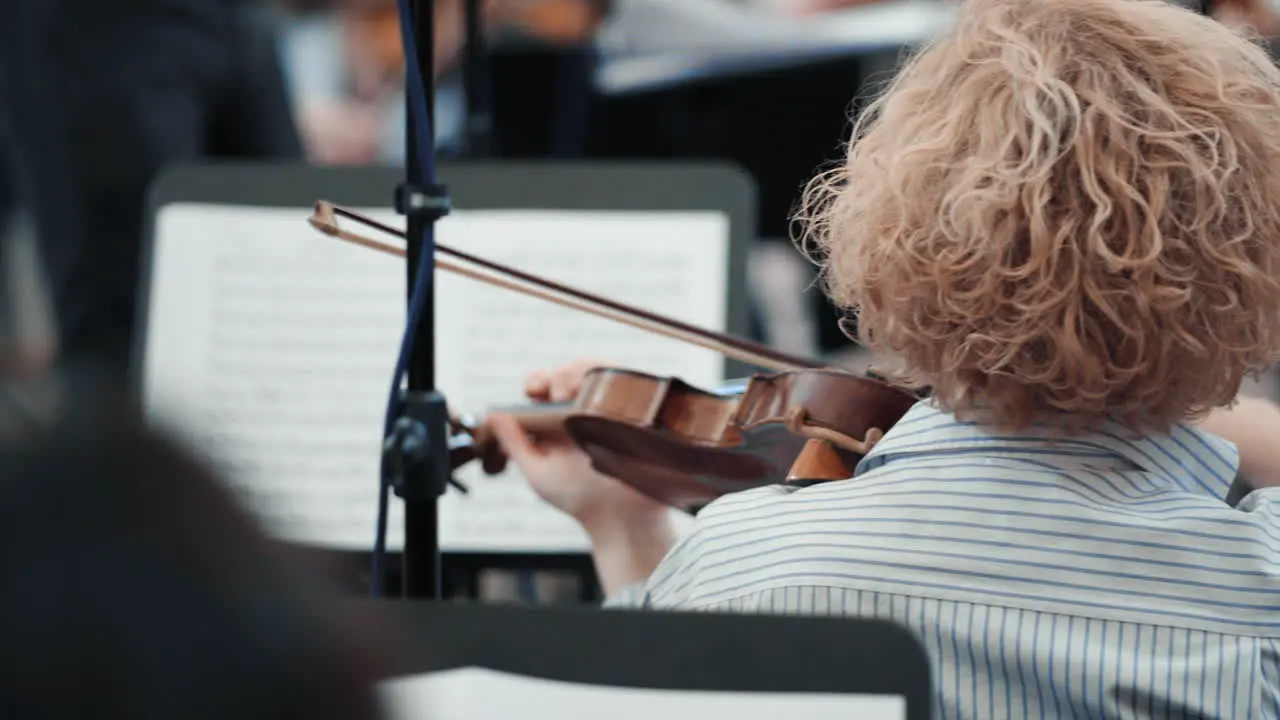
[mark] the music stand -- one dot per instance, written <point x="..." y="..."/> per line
<point x="479" y="185"/>
<point x="666" y="650"/>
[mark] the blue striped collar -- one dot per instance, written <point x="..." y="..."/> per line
<point x="1191" y="459"/>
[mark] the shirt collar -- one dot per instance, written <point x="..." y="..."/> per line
<point x="1191" y="459"/>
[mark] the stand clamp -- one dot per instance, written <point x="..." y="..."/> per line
<point x="419" y="471"/>
<point x="430" y="202"/>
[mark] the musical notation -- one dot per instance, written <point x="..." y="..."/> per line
<point x="272" y="349"/>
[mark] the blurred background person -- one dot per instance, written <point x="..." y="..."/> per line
<point x="95" y="98"/>
<point x="345" y="68"/>
<point x="345" y="71"/>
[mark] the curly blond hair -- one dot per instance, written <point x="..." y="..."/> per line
<point x="1065" y="208"/>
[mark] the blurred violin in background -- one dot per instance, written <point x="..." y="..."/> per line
<point x="372" y="28"/>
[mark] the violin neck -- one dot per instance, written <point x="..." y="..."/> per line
<point x="544" y="420"/>
<point x="545" y="415"/>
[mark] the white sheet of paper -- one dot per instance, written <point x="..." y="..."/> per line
<point x="272" y="346"/>
<point x="652" y="44"/>
<point x="480" y="694"/>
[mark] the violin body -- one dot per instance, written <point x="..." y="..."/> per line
<point x="685" y="446"/>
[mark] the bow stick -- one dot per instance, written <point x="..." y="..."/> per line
<point x="325" y="219"/>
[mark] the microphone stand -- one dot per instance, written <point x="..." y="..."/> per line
<point x="417" y="450"/>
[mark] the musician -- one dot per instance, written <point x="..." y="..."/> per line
<point x="1062" y="218"/>
<point x="96" y="98"/>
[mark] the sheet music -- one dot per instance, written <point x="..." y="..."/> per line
<point x="651" y="44"/>
<point x="273" y="346"/>
<point x="480" y="694"/>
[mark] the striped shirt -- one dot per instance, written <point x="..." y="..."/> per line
<point x="1095" y="576"/>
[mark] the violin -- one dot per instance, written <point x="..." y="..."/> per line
<point x="685" y="446"/>
<point x="679" y="444"/>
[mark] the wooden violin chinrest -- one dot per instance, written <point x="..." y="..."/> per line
<point x="818" y="462"/>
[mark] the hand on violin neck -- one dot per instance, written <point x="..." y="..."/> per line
<point x="630" y="533"/>
<point x="559" y="385"/>
<point x="561" y="474"/>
